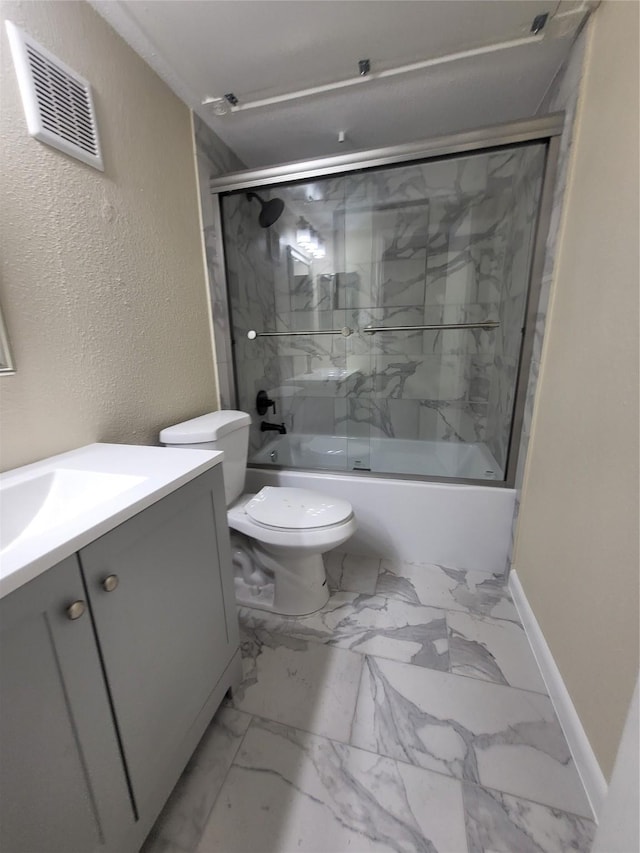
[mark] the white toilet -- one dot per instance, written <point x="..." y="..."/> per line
<point x="281" y="533"/>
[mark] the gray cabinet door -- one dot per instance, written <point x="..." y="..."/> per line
<point x="164" y="631"/>
<point x="62" y="782"/>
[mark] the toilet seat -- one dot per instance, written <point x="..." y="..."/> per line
<point x="282" y="507"/>
<point x="319" y="539"/>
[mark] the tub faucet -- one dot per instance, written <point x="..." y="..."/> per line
<point x="266" y="427"/>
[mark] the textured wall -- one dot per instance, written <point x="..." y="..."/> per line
<point x="103" y="285"/>
<point x="576" y="549"/>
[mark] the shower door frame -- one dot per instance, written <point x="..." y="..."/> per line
<point x="546" y="130"/>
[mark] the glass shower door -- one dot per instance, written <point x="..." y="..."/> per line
<point x="436" y="271"/>
<point x="390" y="343"/>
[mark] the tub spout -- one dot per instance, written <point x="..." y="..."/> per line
<point x="267" y="427"/>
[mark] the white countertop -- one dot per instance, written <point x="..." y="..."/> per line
<point x="97" y="488"/>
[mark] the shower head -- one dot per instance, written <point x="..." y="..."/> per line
<point x="270" y="211"/>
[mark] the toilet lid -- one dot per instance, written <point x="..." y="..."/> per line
<point x="297" y="509"/>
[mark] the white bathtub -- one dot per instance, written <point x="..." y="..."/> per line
<point x="452" y="524"/>
<point x="472" y="461"/>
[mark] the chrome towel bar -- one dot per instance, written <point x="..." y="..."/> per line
<point x="345" y="331"/>
<point x="486" y="324"/>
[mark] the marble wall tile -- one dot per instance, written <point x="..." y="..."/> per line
<point x="312" y="293"/>
<point x="371" y="417"/>
<point x="384" y="343"/>
<point x="391" y="628"/>
<point x="310" y="686"/>
<point x="563" y="96"/>
<point x="214" y="158"/>
<point x="441" y="420"/>
<point x="499" y="823"/>
<point x="522" y="199"/>
<point x="434" y="377"/>
<point x="289" y="790"/>
<point x="500" y="737"/>
<point x="183" y="819"/>
<point x="308" y="415"/>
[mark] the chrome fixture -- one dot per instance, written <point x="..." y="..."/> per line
<point x="345" y="331"/>
<point x="526" y="130"/>
<point x="309" y="239"/>
<point x="303" y="233"/>
<point x="486" y="324"/>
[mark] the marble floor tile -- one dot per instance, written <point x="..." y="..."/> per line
<point x="500" y="823"/>
<point x="500" y="737"/>
<point x="182" y="820"/>
<point x="492" y="649"/>
<point x="452" y="589"/>
<point x="291" y="791"/>
<point x="387" y="627"/>
<point x="351" y="572"/>
<point x="306" y="685"/>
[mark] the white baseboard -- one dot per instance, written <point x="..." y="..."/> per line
<point x="585" y="760"/>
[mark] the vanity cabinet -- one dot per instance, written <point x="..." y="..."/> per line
<point x="113" y="663"/>
<point x="63" y="787"/>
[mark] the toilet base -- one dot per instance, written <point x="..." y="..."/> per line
<point x="287" y="581"/>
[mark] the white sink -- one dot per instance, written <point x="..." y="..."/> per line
<point x="51" y="509"/>
<point x="40" y="503"/>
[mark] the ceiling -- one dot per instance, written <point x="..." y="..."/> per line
<point x="269" y="48"/>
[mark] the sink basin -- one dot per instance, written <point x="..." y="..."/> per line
<point x="40" y="503"/>
<point x="53" y="508"/>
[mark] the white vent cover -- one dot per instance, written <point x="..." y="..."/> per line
<point x="57" y="102"/>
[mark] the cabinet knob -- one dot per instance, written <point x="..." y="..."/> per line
<point x="75" y="610"/>
<point x="110" y="583"/>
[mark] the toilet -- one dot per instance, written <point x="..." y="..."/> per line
<point x="278" y="535"/>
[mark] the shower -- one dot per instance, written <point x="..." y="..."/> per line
<point x="399" y="350"/>
<point x="270" y="211"/>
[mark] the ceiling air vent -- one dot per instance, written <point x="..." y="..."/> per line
<point x="57" y="101"/>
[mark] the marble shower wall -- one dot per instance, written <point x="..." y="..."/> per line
<point x="562" y="97"/>
<point x="523" y="184"/>
<point x="214" y="158"/>
<point x="252" y="260"/>
<point x="440" y="242"/>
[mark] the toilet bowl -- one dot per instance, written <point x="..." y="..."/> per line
<point x="278" y="534"/>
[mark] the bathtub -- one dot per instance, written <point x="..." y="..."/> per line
<point x="451" y="524"/>
<point x="471" y="461"/>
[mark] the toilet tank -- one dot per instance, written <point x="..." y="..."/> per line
<point x="227" y="431"/>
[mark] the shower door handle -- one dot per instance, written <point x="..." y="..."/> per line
<point x="485" y="324"/>
<point x="345" y="331"/>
